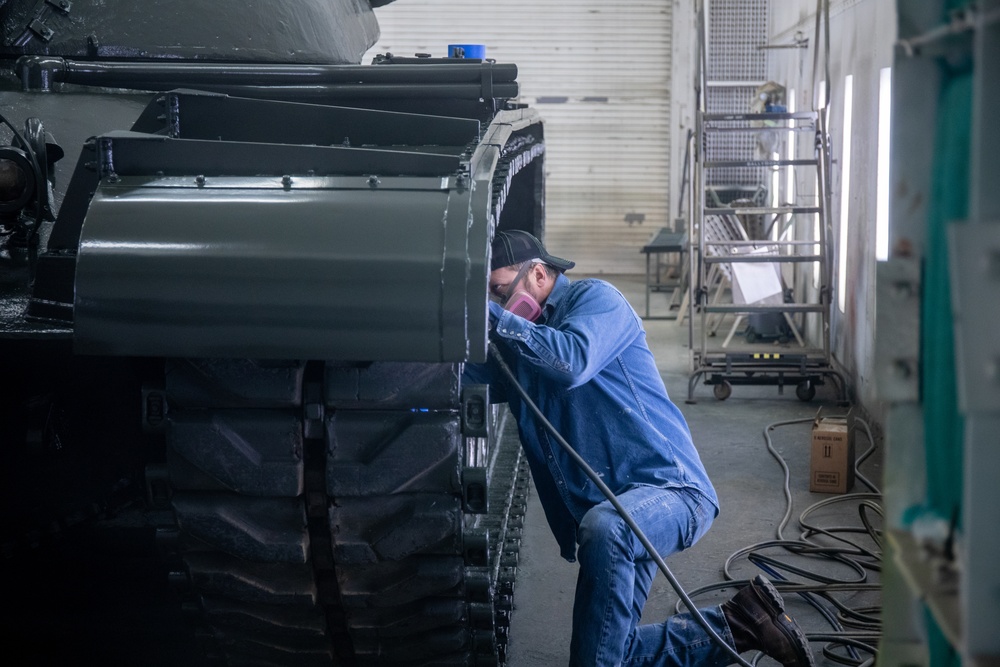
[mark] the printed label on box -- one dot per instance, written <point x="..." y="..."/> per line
<point x="832" y="460"/>
<point x="826" y="478"/>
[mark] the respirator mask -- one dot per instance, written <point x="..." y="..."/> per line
<point x="518" y="301"/>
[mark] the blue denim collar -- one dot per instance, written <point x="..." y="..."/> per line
<point x="555" y="296"/>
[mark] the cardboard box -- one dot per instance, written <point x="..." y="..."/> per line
<point x="831" y="468"/>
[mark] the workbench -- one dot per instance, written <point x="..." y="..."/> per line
<point x="658" y="279"/>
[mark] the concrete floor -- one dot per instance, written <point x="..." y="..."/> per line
<point x="749" y="481"/>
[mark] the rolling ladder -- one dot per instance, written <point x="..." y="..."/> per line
<point x="756" y="264"/>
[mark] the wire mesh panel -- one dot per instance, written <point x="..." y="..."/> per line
<point x="735" y="67"/>
<point x="735" y="29"/>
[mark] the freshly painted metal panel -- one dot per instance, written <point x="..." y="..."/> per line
<point x="599" y="74"/>
<point x="218" y="271"/>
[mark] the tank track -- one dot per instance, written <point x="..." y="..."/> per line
<point x="315" y="513"/>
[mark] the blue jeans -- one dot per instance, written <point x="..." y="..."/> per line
<point x="614" y="580"/>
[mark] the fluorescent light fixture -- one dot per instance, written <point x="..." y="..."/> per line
<point x="816" y="233"/>
<point x="790" y="171"/>
<point x="882" y="192"/>
<point x="820" y="105"/>
<point x="845" y="192"/>
<point x="775" y="184"/>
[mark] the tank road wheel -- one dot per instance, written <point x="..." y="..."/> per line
<point x="319" y="514"/>
<point x="722" y="390"/>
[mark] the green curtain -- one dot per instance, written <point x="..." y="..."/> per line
<point x="949" y="203"/>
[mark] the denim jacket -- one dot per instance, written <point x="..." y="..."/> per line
<point x="587" y="366"/>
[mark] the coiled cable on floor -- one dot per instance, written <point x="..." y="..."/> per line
<point x="856" y="558"/>
<point x="596" y="479"/>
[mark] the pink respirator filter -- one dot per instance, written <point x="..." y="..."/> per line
<point x="524" y="305"/>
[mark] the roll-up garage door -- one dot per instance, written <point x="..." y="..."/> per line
<point x="599" y="73"/>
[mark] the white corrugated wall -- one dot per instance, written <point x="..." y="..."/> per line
<point x="599" y="72"/>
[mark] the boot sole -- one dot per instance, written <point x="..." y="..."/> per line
<point x="783" y="621"/>
<point x="773" y="597"/>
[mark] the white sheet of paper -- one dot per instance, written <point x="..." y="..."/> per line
<point x="755" y="282"/>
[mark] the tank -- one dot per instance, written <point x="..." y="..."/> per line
<point x="240" y="273"/>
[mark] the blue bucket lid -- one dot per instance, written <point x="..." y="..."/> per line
<point x="477" y="51"/>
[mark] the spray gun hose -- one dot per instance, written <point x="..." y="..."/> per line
<point x="595" y="478"/>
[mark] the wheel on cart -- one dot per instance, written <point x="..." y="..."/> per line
<point x="805" y="391"/>
<point x="722" y="390"/>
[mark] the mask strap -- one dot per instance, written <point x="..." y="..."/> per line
<point x="517" y="279"/>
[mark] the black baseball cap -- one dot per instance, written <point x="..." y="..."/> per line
<point x="516" y="246"/>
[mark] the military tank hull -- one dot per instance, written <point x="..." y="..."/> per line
<point x="239" y="284"/>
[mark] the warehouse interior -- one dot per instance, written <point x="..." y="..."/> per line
<point x="793" y="195"/>
<point x="907" y="88"/>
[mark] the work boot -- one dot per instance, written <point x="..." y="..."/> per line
<point x="757" y="617"/>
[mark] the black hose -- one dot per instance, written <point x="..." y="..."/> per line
<point x="609" y="494"/>
<point x="850" y="554"/>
